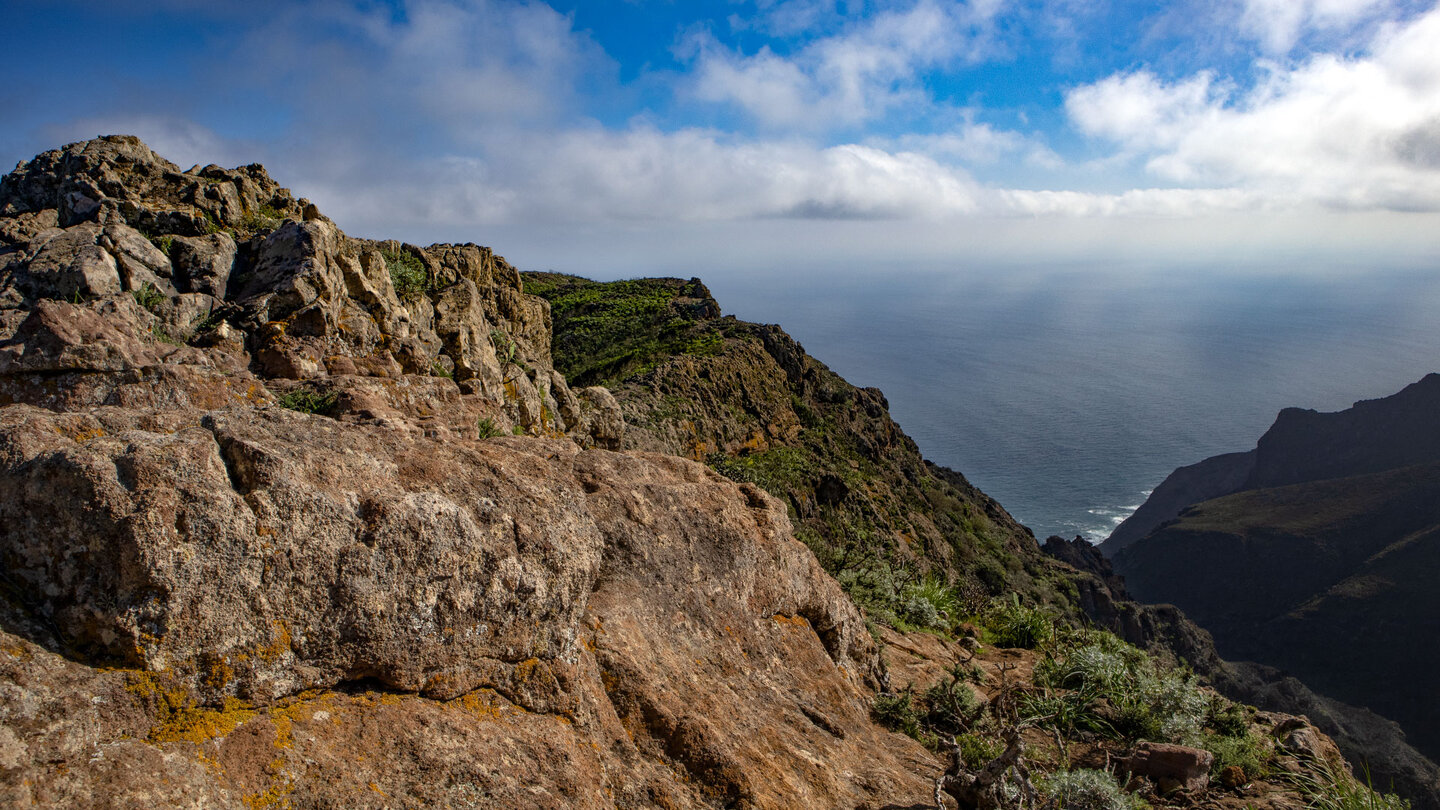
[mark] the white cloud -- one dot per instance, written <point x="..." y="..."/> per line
<point x="1350" y="133"/>
<point x="850" y="78"/>
<point x="1279" y="24"/>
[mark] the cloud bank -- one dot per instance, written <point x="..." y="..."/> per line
<point x="463" y="115"/>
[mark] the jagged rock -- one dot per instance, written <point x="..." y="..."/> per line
<point x="203" y="263"/>
<point x="460" y="323"/>
<point x="140" y="262"/>
<point x="68" y="263"/>
<point x="602" y="416"/>
<point x="297" y="296"/>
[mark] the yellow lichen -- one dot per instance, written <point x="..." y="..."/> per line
<point x="482" y="704"/>
<point x="525" y="669"/>
<point x="279" y="643"/>
<point x="277" y="796"/>
<point x="176" y="715"/>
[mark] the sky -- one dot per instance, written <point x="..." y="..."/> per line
<point x="642" y="136"/>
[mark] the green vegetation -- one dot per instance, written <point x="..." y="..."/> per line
<point x="486" y="428"/>
<point x="306" y="400"/>
<point x="166" y="244"/>
<point x="1008" y="623"/>
<point x="439" y="369"/>
<point x="1087" y="790"/>
<point x="1093" y="681"/>
<point x="606" y="333"/>
<point x="259" y="220"/>
<point x="1332" y="788"/>
<point x="407" y="273"/>
<point x="149" y="297"/>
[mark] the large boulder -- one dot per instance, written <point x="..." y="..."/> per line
<point x="651" y="624"/>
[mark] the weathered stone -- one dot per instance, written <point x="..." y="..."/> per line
<point x="1172" y="767"/>
<point x="602" y="417"/>
<point x="70" y="262"/>
<point x="439" y="568"/>
<point x="203" y="263"/>
<point x="460" y="323"/>
<point x="140" y="262"/>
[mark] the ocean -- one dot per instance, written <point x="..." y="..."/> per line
<point x="1068" y="395"/>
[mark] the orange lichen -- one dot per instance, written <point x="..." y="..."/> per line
<point x="525" y="669"/>
<point x="277" y="796"/>
<point x="279" y="643"/>
<point x="176" y="715"/>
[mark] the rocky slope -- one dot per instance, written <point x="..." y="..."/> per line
<point x="750" y="401"/>
<point x="1327" y="542"/>
<point x="291" y="519"/>
<point x="747" y="399"/>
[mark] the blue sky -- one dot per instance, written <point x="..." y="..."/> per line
<point x="602" y="136"/>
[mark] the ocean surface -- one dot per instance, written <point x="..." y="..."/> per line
<point x="1069" y="395"/>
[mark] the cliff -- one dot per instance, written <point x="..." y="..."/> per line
<point x="1319" y="560"/>
<point x="747" y="399"/>
<point x="292" y="519"/>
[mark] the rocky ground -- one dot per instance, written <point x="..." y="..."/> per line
<point x="291" y="519"/>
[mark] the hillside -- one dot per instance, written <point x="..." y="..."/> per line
<point x="293" y="519"/>
<point x="1320" y="561"/>
<point x="715" y="388"/>
<point x="748" y="400"/>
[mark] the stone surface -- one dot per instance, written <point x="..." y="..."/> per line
<point x="262" y="555"/>
<point x="1171" y="767"/>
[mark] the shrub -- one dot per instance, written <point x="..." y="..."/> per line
<point x="307" y="401"/>
<point x="1088" y="790"/>
<point x="149" y="297"/>
<point x="1248" y="752"/>
<point x="1011" y="624"/>
<point x="407" y="274"/>
<point x="977" y="750"/>
<point x="487" y="429"/>
<point x="950" y="705"/>
<point x="1143" y="700"/>
<point x="896" y="711"/>
<point x="929" y="603"/>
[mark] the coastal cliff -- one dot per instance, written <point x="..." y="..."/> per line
<point x="294" y="519"/>
<point x="1313" y="553"/>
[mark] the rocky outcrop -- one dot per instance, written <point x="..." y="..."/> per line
<point x="234" y="274"/>
<point x="211" y="600"/>
<point x="591" y="605"/>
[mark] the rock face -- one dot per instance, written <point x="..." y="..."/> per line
<point x="1316" y="554"/>
<point x="365" y="598"/>
<point x="571" y="597"/>
<point x="237" y="279"/>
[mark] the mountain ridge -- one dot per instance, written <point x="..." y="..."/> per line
<point x="1324" y="545"/>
